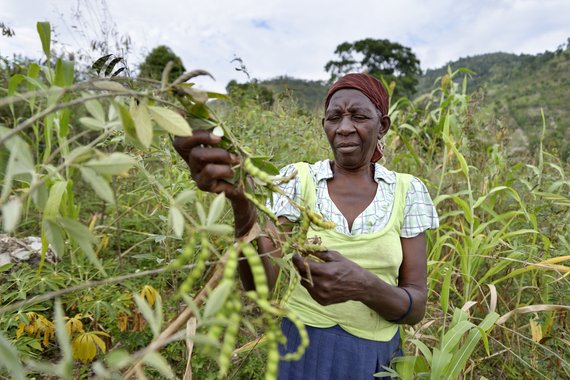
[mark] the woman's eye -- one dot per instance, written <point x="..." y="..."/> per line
<point x="359" y="117"/>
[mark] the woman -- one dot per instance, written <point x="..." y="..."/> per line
<point x="373" y="277"/>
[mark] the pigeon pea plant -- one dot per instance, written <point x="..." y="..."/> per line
<point x="90" y="134"/>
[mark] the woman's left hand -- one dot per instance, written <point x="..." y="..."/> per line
<point x="335" y="280"/>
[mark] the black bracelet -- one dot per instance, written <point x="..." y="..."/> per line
<point x="409" y="307"/>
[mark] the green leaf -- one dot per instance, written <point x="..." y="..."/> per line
<point x="176" y="221"/>
<point x="84" y="238"/>
<point x="33" y="72"/>
<point x="217" y="95"/>
<point x="423" y="348"/>
<point x="64" y="73"/>
<point x="78" y="155"/>
<point x="155" y="360"/>
<point x="217" y="298"/>
<point x="92" y="123"/>
<point x="44" y="30"/>
<point x="95" y="108"/>
<point x="143" y="124"/>
<point x="20" y="162"/>
<point x="452" y="337"/>
<point x="463" y="354"/>
<point x="118" y="359"/>
<point x="54" y="236"/>
<point x="99" y="184"/>
<point x="218" y="229"/>
<point x="201" y="213"/>
<point x="13" y="83"/>
<point x="108" y="85"/>
<point x="170" y="121"/>
<point x="462" y="161"/>
<point x="11" y="213"/>
<point x="440" y="361"/>
<point x="56" y="193"/>
<point x="126" y="121"/>
<point x="444" y="298"/>
<point x="216" y="209"/>
<point x="66" y="363"/>
<point x="184" y="197"/>
<point x="113" y="164"/>
<point x="265" y="165"/>
<point x="148" y="314"/>
<point x="10" y="359"/>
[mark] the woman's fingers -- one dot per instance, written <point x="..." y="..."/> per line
<point x="203" y="156"/>
<point x="184" y="145"/>
<point x="210" y="174"/>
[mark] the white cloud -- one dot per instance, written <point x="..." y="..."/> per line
<point x="297" y="38"/>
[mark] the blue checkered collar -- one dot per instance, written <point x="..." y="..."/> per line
<point x="322" y="171"/>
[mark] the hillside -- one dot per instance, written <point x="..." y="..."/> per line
<point x="515" y="88"/>
<point x="309" y="93"/>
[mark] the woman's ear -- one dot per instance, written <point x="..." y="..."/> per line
<point x="384" y="125"/>
<point x="323" y="122"/>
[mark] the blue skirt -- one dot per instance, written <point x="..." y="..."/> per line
<point x="335" y="354"/>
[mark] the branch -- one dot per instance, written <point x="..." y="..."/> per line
<point x="187" y="313"/>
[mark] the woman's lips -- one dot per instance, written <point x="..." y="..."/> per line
<point x="346" y="148"/>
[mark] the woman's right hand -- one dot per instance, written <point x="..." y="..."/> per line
<point x="210" y="166"/>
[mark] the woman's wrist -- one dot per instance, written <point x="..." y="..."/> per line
<point x="245" y="215"/>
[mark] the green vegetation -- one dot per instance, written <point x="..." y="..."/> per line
<point x="145" y="283"/>
<point x="514" y="88"/>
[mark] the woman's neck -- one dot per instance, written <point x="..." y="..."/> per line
<point x="359" y="173"/>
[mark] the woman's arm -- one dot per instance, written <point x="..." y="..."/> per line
<point x="210" y="166"/>
<point x="339" y="279"/>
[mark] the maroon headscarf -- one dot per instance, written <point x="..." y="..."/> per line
<point x="372" y="89"/>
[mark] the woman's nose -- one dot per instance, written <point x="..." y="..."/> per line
<point x="346" y="126"/>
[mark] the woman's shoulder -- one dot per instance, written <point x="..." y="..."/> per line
<point x="317" y="169"/>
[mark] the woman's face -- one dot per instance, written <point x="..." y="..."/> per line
<point x="352" y="125"/>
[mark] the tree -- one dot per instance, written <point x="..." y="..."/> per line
<point x="157" y="60"/>
<point x="380" y="58"/>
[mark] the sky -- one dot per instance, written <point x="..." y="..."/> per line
<point x="288" y="37"/>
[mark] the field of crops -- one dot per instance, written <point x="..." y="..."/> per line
<point x="135" y="274"/>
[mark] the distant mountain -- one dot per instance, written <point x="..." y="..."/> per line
<point x="514" y="88"/>
<point x="309" y="94"/>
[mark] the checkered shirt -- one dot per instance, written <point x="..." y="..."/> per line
<point x="419" y="211"/>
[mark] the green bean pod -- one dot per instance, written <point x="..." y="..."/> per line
<point x="303" y="344"/>
<point x="272" y="368"/>
<point x="261" y="207"/>
<point x="256" y="172"/>
<point x="187" y="254"/>
<point x="257" y="270"/>
<point x="230" y="337"/>
<point x="200" y="265"/>
<point x="230" y="267"/>
<point x="318" y="220"/>
<point x="293" y="280"/>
